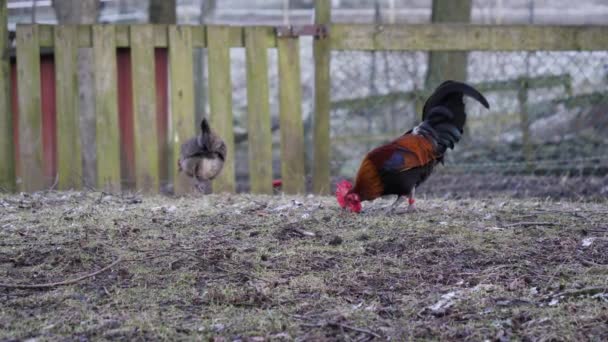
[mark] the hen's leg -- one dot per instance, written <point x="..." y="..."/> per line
<point x="410" y="200"/>
<point x="200" y="186"/>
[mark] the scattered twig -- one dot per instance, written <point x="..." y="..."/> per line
<point x="342" y="326"/>
<point x="61" y="283"/>
<point x="573" y="293"/>
<point x="361" y="330"/>
<point x="598" y="230"/>
<point x="244" y="274"/>
<point x="303" y="232"/>
<point x="590" y="263"/>
<point x="54" y="183"/>
<point x="529" y="223"/>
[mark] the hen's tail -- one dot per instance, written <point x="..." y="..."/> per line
<point x="443" y="115"/>
<point x="204" y="138"/>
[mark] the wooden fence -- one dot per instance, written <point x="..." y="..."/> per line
<point x="22" y="151"/>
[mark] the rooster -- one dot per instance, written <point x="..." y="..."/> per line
<point x="202" y="157"/>
<point x="400" y="166"/>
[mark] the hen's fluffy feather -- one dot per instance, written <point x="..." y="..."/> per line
<point x="202" y="157"/>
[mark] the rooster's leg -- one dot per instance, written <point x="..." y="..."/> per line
<point x="410" y="200"/>
<point x="392" y="207"/>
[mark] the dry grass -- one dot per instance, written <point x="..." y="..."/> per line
<point x="297" y="268"/>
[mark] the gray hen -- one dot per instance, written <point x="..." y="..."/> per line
<point x="202" y="157"/>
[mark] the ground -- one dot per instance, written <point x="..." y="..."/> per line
<point x="297" y="268"/>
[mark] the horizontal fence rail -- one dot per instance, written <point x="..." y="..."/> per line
<point x="48" y="145"/>
<point x="161" y="38"/>
<point x="420" y="37"/>
<point x="463" y="37"/>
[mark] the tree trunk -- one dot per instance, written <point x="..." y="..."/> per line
<point x="200" y="101"/>
<point x="83" y="12"/>
<point x="448" y="65"/>
<point x="162" y="12"/>
<point x="76" y="11"/>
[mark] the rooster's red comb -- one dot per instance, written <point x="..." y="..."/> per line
<point x="342" y="189"/>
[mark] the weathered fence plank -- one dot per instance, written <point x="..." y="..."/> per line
<point x="69" y="162"/>
<point x="321" y="153"/>
<point x="407" y="37"/>
<point x="258" y="108"/>
<point x="123" y="38"/>
<point x="106" y="108"/>
<point x="290" y="108"/>
<point x="463" y="37"/>
<point x="30" y="110"/>
<point x="7" y="146"/>
<point x="486" y="86"/>
<point x="182" y="125"/>
<point x="220" y="101"/>
<point x="144" y="108"/>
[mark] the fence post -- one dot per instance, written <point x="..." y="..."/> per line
<point x="321" y="141"/>
<point x="258" y="111"/>
<point x="522" y="99"/>
<point x="30" y="109"/>
<point x="144" y="108"/>
<point x="106" y="108"/>
<point x="7" y="155"/>
<point x="220" y="100"/>
<point x="69" y="162"/>
<point x="182" y="125"/>
<point x="293" y="172"/>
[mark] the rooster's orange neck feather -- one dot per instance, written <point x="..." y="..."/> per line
<point x="368" y="184"/>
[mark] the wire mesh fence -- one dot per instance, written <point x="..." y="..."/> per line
<point x="545" y="134"/>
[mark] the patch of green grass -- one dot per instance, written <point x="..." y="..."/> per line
<point x="282" y="268"/>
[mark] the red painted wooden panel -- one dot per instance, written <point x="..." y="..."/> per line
<point x="162" y="109"/>
<point x="49" y="114"/>
<point x="125" y="110"/>
<point x="125" y="117"/>
<point x="15" y="109"/>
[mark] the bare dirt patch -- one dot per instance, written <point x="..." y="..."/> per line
<point x="283" y="268"/>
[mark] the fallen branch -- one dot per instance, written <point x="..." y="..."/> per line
<point x="343" y="326"/>
<point x="241" y="273"/>
<point x="54" y="183"/>
<point x="361" y="330"/>
<point x="529" y="224"/>
<point x="60" y="283"/>
<point x="589" y="291"/>
<point x="302" y="232"/>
